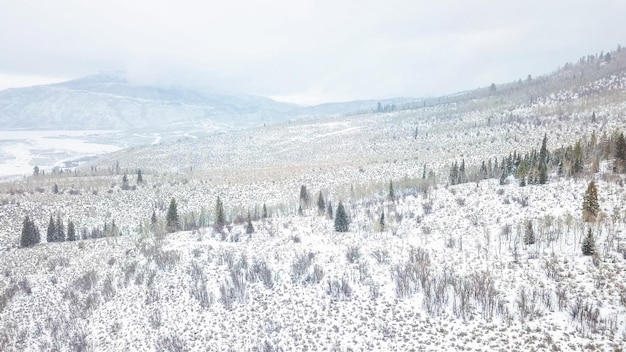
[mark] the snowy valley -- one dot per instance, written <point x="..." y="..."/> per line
<point x="431" y="260"/>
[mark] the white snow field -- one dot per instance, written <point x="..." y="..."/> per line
<point x="448" y="271"/>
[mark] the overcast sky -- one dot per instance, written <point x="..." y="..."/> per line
<point x="307" y="51"/>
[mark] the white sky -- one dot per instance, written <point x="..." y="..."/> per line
<point x="307" y="51"/>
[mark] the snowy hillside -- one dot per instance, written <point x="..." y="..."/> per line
<point x="219" y="242"/>
<point x="109" y="101"/>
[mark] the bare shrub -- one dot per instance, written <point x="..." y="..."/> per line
<point x="339" y="290"/>
<point x="234" y="290"/>
<point x="170" y="343"/>
<point x="57" y="262"/>
<point x="427" y="208"/>
<point x="353" y="254"/>
<point x="198" y="286"/>
<point x="460" y="201"/>
<point x="25" y="286"/>
<point x="381" y="256"/>
<point x="561" y="298"/>
<point x="167" y="260"/>
<point x="317" y="276"/>
<point x="261" y="272"/>
<point x="300" y="266"/>
<point x="86" y="281"/>
<point x="155" y="318"/>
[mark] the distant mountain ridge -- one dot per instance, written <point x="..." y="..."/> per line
<point x="109" y="101"/>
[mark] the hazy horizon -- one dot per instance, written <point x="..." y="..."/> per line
<point x="306" y="52"/>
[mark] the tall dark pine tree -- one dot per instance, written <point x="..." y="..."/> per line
<point x="529" y="233"/>
<point x="591" y="207"/>
<point x="249" y="226"/>
<point x="71" y="231"/>
<point x="321" y="205"/>
<point x="139" y="177"/>
<point x="589" y="244"/>
<point x="264" y="211"/>
<point x="172" y="221"/>
<point x="60" y="229"/>
<point x="392" y="193"/>
<point x="381" y="222"/>
<point x="220" y="220"/>
<point x="305" y="198"/>
<point x="153" y="219"/>
<point x="620" y="154"/>
<point x="30" y="233"/>
<point x="543" y="161"/>
<point x="52" y="229"/>
<point x="341" y="219"/>
<point x="329" y="211"/>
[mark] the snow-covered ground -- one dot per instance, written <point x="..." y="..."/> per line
<point x="448" y="271"/>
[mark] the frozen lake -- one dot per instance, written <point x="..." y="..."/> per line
<point x="21" y="151"/>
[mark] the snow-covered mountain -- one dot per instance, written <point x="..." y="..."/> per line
<point x="109" y="101"/>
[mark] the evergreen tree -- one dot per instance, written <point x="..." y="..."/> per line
<point x="60" y="229"/>
<point x="543" y="153"/>
<point x="264" y="211"/>
<point x="620" y="154"/>
<point x="139" y="177"/>
<point x="589" y="244"/>
<point x="529" y="233"/>
<point x="543" y="173"/>
<point x="305" y="197"/>
<point x="321" y="205"/>
<point x="591" y="207"/>
<point x="381" y="222"/>
<point x="300" y="210"/>
<point x="341" y="219"/>
<point x="51" y="233"/>
<point x="30" y="233"/>
<point x="249" y="226"/>
<point x="153" y="218"/>
<point x="55" y="189"/>
<point x="71" y="231"/>
<point x="172" y="220"/>
<point x="329" y="211"/>
<point x="220" y="221"/>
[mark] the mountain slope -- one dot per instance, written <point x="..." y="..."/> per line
<point x="106" y="101"/>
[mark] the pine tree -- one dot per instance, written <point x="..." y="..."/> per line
<point x="153" y="218"/>
<point x="55" y="189"/>
<point x="321" y="205"/>
<point x="60" y="229"/>
<point x="30" y="233"/>
<point x="341" y="219"/>
<point x="620" y="154"/>
<point x="71" y="231"/>
<point x="139" y="177"/>
<point x="172" y="220"/>
<point x="264" y="211"/>
<point x="589" y="244"/>
<point x="381" y="222"/>
<point x="329" y="211"/>
<point x="543" y="173"/>
<point x="392" y="193"/>
<point x="220" y="221"/>
<point x="591" y="207"/>
<point x="249" y="226"/>
<point x="51" y="233"/>
<point x="305" y="198"/>
<point x="529" y="233"/>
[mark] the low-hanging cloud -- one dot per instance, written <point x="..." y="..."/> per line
<point x="306" y="51"/>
